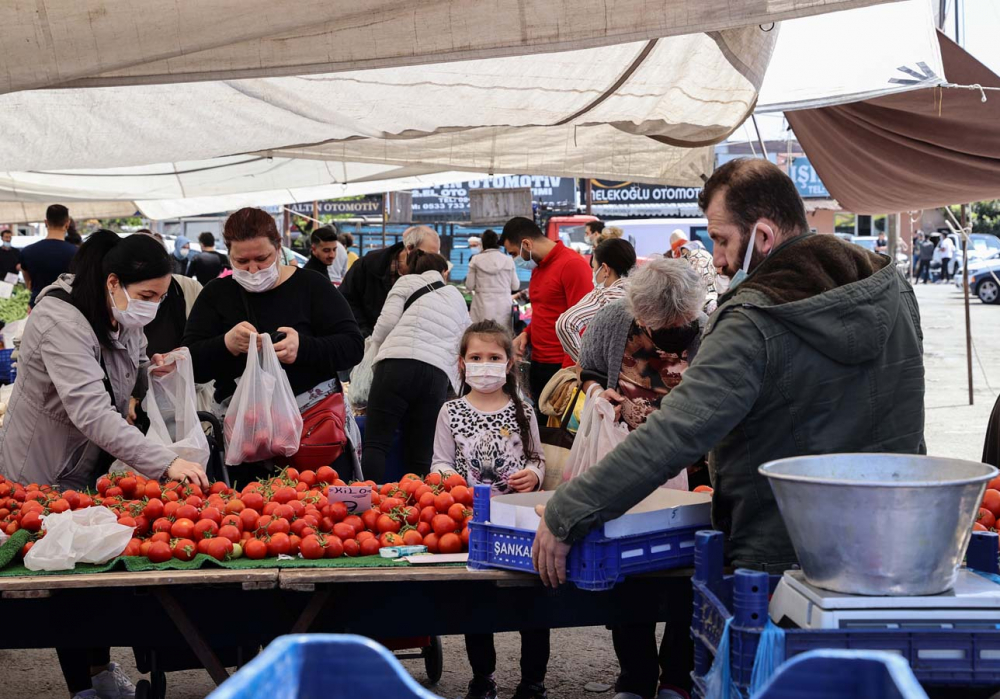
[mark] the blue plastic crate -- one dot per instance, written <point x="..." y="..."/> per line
<point x="836" y="674"/>
<point x="937" y="656"/>
<point x="327" y="666"/>
<point x="6" y="368"/>
<point x="595" y="563"/>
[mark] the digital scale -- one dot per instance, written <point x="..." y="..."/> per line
<point x="974" y="603"/>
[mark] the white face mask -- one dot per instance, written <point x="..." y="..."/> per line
<point x="486" y="377"/>
<point x="261" y="280"/>
<point x="597" y="284"/>
<point x="137" y="313"/>
<point x="742" y="273"/>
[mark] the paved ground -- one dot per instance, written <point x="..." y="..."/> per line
<point x="584" y="655"/>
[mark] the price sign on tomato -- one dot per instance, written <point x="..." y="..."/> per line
<point x="358" y="498"/>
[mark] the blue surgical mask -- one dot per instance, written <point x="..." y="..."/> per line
<point x="528" y="264"/>
<point x="6" y="245"/>
<point x="742" y="274"/>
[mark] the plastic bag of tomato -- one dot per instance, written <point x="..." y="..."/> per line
<point x="286" y="515"/>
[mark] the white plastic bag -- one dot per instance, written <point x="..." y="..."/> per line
<point x="363" y="373"/>
<point x="599" y="433"/>
<point x="90" y="535"/>
<point x="263" y="419"/>
<point x="171" y="404"/>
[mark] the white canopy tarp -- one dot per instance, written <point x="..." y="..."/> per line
<point x="852" y="56"/>
<point x="128" y="42"/>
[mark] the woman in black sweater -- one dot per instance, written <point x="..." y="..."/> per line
<point x="264" y="296"/>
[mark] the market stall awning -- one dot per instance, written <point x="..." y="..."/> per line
<point x="910" y="151"/>
<point x="124" y="42"/>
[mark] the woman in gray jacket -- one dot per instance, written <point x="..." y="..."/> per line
<point x="82" y="353"/>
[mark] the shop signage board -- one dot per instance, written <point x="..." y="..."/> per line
<point x="807" y="182"/>
<point x="370" y="205"/>
<point x="612" y="192"/>
<point x="453" y="200"/>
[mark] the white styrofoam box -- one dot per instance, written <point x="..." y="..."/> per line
<point x="663" y="509"/>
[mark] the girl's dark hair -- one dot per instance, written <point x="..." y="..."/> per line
<point x="617" y="254"/>
<point x="492" y="331"/>
<point x="133" y="259"/>
<point x="419" y="262"/>
<point x="249" y="223"/>
<point x="490" y="239"/>
<point x="346" y="239"/>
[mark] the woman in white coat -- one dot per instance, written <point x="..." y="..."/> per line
<point x="418" y="333"/>
<point x="492" y="278"/>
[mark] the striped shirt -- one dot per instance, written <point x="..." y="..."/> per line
<point x="574" y="321"/>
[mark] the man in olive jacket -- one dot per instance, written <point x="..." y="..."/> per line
<point x="818" y="349"/>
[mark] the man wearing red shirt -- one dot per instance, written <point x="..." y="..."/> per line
<point x="559" y="279"/>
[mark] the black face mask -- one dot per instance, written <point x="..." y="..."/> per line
<point x="674" y="340"/>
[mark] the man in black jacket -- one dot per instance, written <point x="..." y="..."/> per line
<point x="207" y="264"/>
<point x="369" y="280"/>
<point x="324" y="250"/>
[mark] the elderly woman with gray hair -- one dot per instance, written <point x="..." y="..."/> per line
<point x="638" y="349"/>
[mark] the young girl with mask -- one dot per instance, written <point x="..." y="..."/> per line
<point x="314" y="332"/>
<point x="82" y="353"/>
<point x="612" y="261"/>
<point x="489" y="436"/>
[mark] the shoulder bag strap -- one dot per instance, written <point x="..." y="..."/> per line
<point x="416" y="295"/>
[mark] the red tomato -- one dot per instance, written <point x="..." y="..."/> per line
<point x="986" y="518"/>
<point x="182" y="529"/>
<point x="308" y="477"/>
<point x="344" y="531"/>
<point x="127" y="521"/>
<point x="162" y="525"/>
<point x="465" y="537"/>
<point x="411" y="515"/>
<point x="458" y="512"/>
<point x="73" y="498"/>
<point x="284" y="495"/>
<point x="203" y="545"/>
<point x="255" y="549"/>
<point x="185" y="549"/>
<point x="161" y="536"/>
<point x="132" y="549"/>
<point x="977" y="527"/>
<point x="103" y="484"/>
<point x="355" y="522"/>
<point x="450" y="543"/>
<point x="187" y="512"/>
<point x="431" y="542"/>
<point x="170" y="508"/>
<point x="219" y="548"/>
<point x="703" y="489"/>
<point x="312" y="548"/>
<point x="152" y="490"/>
<point x="991" y="501"/>
<point x="213" y="514"/>
<point x="326" y="525"/>
<point x="412" y="538"/>
<point x="424" y="528"/>
<point x="427" y="514"/>
<point x="369" y="547"/>
<point x="249" y="517"/>
<point x="443" y="524"/>
<point x="205" y="529"/>
<point x="351" y="547"/>
<point x="462" y="494"/>
<point x="325" y="474"/>
<point x="370" y="518"/>
<point x="366" y="535"/>
<point x="454" y="480"/>
<point x="253" y="500"/>
<point x="234" y="507"/>
<point x="443" y="501"/>
<point x="386" y="523"/>
<point x="31" y="521"/>
<point x="59" y="505"/>
<point x="233" y="521"/>
<point x="230" y="532"/>
<point x="153" y="509"/>
<point x="279" y="543"/>
<point x="159" y="552"/>
<point x="433" y="479"/>
<point x="338" y="511"/>
<point x="278" y="526"/>
<point x="334" y="547"/>
<point x="390" y="504"/>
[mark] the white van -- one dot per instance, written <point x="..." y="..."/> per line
<point x="652" y="235"/>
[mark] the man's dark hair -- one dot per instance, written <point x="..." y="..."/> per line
<point x="206" y="240"/>
<point x="57" y="215"/>
<point x="324" y="234"/>
<point x="617" y="254"/>
<point x="595" y="226"/>
<point x="518" y="229"/>
<point x="754" y="189"/>
<point x="490" y="239"/>
<point x="7" y="230"/>
<point x="346" y="239"/>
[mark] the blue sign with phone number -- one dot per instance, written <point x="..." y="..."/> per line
<point x="807" y="182"/>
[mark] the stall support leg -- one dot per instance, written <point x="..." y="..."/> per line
<point x="190" y="632"/>
<point x="317" y="602"/>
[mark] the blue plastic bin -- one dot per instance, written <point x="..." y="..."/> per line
<point x="322" y="666"/>
<point x="6" y="368"/>
<point x="595" y="563"/>
<point x="972" y="657"/>
<point x="844" y="674"/>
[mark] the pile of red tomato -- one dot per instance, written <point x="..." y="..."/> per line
<point x="288" y="514"/>
<point x="989" y="510"/>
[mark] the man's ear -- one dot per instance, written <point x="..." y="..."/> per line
<point x="767" y="234"/>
